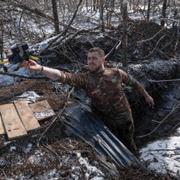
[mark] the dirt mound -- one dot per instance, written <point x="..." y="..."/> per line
<point x="145" y="40"/>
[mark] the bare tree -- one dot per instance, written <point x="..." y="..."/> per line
<point x="101" y="11"/>
<point x="1" y="39"/>
<point x="125" y="36"/>
<point x="110" y="9"/>
<point x="149" y="9"/>
<point x="95" y="4"/>
<point x="55" y="15"/>
<point x="164" y="7"/>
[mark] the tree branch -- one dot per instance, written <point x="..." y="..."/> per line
<point x="151" y="38"/>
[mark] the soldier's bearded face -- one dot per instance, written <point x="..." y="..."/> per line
<point x="95" y="61"/>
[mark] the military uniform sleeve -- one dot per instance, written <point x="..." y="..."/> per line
<point x="130" y="81"/>
<point x="78" y="80"/>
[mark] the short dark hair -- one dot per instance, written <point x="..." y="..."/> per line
<point x="98" y="50"/>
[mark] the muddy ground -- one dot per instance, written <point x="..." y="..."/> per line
<point x="55" y="155"/>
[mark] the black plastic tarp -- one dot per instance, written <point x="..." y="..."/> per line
<point x="82" y="122"/>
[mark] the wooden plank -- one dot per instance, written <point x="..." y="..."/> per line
<point x="26" y="115"/>
<point x="2" y="130"/>
<point x="42" y="110"/>
<point x="12" y="123"/>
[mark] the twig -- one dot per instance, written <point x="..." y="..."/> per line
<point x="67" y="28"/>
<point x="163" y="80"/>
<point x="164" y="150"/>
<point x="19" y="26"/>
<point x="167" y="44"/>
<point x="53" y="152"/>
<point x="161" y="52"/>
<point x="34" y="11"/>
<point x="73" y="17"/>
<point x="117" y="44"/>
<point x="161" y="122"/>
<point x="175" y="126"/>
<point x="53" y="41"/>
<point x="146" y="40"/>
<point x="4" y="173"/>
<point x="84" y="31"/>
<point x="155" y="48"/>
<point x="56" y="117"/>
<point x="115" y="47"/>
<point x="178" y="36"/>
<point x="71" y="37"/>
<point x="169" y="19"/>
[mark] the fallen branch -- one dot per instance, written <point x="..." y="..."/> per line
<point x="167" y="44"/>
<point x="4" y="173"/>
<point x="177" y="125"/>
<point x="170" y="19"/>
<point x="162" y="53"/>
<point x="67" y="28"/>
<point x="163" y="80"/>
<point x="155" y="48"/>
<point x="115" y="47"/>
<point x="178" y="36"/>
<point x="53" y="152"/>
<point x="161" y="122"/>
<point x="164" y="150"/>
<point x="56" y="117"/>
<point x="146" y="40"/>
<point x="73" y="17"/>
<point x="70" y="37"/>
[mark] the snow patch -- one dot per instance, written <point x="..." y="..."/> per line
<point x="29" y="96"/>
<point x="90" y="170"/>
<point x="163" y="156"/>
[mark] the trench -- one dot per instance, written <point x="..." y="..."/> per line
<point x="162" y="120"/>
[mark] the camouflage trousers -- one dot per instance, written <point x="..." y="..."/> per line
<point x="121" y="124"/>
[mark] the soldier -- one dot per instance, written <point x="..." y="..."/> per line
<point x="104" y="87"/>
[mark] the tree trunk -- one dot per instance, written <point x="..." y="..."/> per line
<point x="144" y="5"/>
<point x="164" y="12"/>
<point x="109" y="13"/>
<point x="175" y="17"/>
<point x="55" y="15"/>
<point x="153" y="8"/>
<point x="87" y="5"/>
<point x="1" y="39"/>
<point x="94" y="5"/>
<point x="125" y="37"/>
<point x="149" y="9"/>
<point x="101" y="11"/>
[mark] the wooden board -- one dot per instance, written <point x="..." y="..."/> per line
<point x="2" y="131"/>
<point x="12" y="123"/>
<point x="42" y="110"/>
<point x="26" y="115"/>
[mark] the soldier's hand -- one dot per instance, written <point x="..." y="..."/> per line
<point x="32" y="65"/>
<point x="149" y="100"/>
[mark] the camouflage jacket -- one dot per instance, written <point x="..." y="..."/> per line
<point x="104" y="88"/>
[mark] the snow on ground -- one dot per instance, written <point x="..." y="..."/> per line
<point x="39" y="157"/>
<point x="163" y="156"/>
<point x="90" y="169"/>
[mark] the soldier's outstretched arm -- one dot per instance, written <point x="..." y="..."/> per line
<point x="78" y="80"/>
<point x="129" y="80"/>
